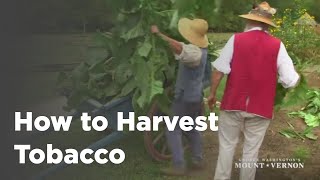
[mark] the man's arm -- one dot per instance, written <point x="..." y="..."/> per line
<point x="216" y="77"/>
<point x="221" y="66"/>
<point x="188" y="54"/>
<point x="176" y="46"/>
<point x="288" y="76"/>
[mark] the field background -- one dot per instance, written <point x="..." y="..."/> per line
<point x="75" y="48"/>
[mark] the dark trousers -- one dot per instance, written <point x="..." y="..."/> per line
<point x="174" y="138"/>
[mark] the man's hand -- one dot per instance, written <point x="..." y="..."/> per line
<point x="212" y="101"/>
<point x="175" y="45"/>
<point x="155" y="29"/>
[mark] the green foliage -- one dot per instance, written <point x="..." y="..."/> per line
<point x="290" y="97"/>
<point x="227" y="19"/>
<point x="298" y="39"/>
<point x="310" y="119"/>
<point x="310" y="113"/>
<point x="292" y="133"/>
<point x="72" y="15"/>
<point x="139" y="63"/>
<point x="292" y="31"/>
<point x="313" y="7"/>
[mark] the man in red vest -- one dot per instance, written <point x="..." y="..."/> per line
<point x="253" y="61"/>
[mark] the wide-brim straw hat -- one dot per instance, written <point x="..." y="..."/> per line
<point x="262" y="13"/>
<point x="195" y="31"/>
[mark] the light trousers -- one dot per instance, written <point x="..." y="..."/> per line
<point x="231" y="123"/>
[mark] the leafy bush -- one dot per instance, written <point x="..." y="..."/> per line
<point x="302" y="44"/>
<point x="139" y="64"/>
<point x="299" y="39"/>
<point x="297" y="34"/>
<point x="310" y="113"/>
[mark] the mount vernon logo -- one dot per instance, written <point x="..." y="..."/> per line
<point x="273" y="163"/>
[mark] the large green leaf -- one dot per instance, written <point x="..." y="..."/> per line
<point x="148" y="91"/>
<point x="97" y="66"/>
<point x="174" y="20"/>
<point x="311" y="136"/>
<point x="316" y="102"/>
<point x="145" y="49"/>
<point x="156" y="88"/>
<point x="309" y="133"/>
<point x="296" y="95"/>
<point x="311" y="120"/>
<point x="135" y="32"/>
<point x="146" y="82"/>
<point x="122" y="73"/>
<point x="289" y="133"/>
<point x="128" y="88"/>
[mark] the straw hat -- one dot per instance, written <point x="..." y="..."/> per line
<point x="195" y="31"/>
<point x="262" y="13"/>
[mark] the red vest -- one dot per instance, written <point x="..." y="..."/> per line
<point x="251" y="84"/>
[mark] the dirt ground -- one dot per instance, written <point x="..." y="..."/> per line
<point x="274" y="146"/>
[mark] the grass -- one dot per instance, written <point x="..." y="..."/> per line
<point x="301" y="153"/>
<point x="219" y="39"/>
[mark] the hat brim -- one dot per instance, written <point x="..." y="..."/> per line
<point x="258" y="18"/>
<point x="184" y="27"/>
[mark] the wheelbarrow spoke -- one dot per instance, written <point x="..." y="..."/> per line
<point x="164" y="148"/>
<point x="158" y="137"/>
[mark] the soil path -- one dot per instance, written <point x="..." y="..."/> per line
<point x="274" y="146"/>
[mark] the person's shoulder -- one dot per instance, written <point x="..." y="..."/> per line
<point x="241" y="34"/>
<point x="274" y="39"/>
<point x="272" y="36"/>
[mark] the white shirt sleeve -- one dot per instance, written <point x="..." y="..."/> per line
<point x="222" y="64"/>
<point x="288" y="76"/>
<point x="190" y="55"/>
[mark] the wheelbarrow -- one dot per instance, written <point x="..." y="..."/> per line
<point x="155" y="142"/>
